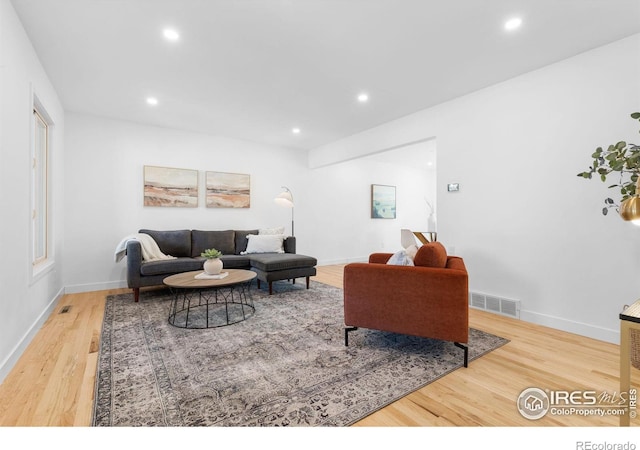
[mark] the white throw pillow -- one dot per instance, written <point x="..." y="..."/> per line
<point x="277" y="230"/>
<point x="264" y="243"/>
<point x="411" y="251"/>
<point x="400" y="259"/>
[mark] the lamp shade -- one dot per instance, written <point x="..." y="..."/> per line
<point x="284" y="198"/>
<point x="630" y="210"/>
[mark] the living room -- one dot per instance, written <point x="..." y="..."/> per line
<point x="527" y="227"/>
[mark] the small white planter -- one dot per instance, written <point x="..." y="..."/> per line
<point x="213" y="266"/>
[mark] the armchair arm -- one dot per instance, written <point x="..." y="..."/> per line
<point x="379" y="258"/>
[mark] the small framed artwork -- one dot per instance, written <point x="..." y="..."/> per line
<point x="167" y="186"/>
<point x="228" y="190"/>
<point x="383" y="202"/>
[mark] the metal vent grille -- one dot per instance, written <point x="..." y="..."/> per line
<point x="495" y="304"/>
<point x="477" y="300"/>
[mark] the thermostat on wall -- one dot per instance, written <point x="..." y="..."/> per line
<point x="453" y="187"/>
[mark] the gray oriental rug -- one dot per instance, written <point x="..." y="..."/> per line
<point x="286" y="365"/>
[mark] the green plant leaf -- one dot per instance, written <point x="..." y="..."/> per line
<point x="620" y="157"/>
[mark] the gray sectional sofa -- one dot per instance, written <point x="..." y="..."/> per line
<point x="186" y="246"/>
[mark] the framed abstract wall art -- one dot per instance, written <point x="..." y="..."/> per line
<point x="166" y="186"/>
<point x="383" y="202"/>
<point x="228" y="190"/>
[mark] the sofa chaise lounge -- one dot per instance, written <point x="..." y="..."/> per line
<point x="186" y="246"/>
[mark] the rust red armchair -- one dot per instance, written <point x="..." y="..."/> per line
<point x="429" y="299"/>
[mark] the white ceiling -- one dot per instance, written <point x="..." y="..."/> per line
<point x="254" y="69"/>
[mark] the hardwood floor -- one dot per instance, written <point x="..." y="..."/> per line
<point x="52" y="383"/>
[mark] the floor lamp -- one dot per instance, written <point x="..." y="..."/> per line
<point x="285" y="198"/>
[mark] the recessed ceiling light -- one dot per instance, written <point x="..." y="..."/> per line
<point x="362" y="98"/>
<point x="170" y="34"/>
<point x="152" y="101"/>
<point x="295" y="130"/>
<point x="513" y="23"/>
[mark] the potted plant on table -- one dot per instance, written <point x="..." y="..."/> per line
<point x="213" y="264"/>
<point x="622" y="158"/>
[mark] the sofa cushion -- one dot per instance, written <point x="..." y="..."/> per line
<point x="171" y="266"/>
<point x="265" y="243"/>
<point x="235" y="262"/>
<point x="432" y="254"/>
<point x="269" y="262"/>
<point x="241" y="239"/>
<point x="220" y="240"/>
<point x="175" y="242"/>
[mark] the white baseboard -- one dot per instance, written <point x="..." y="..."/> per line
<point x="77" y="288"/>
<point x="332" y="262"/>
<point x="570" y="326"/>
<point x="18" y="350"/>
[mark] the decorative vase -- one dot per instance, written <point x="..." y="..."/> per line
<point x="213" y="266"/>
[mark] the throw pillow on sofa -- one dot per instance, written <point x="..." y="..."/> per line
<point x="264" y="243"/>
<point x="411" y="251"/>
<point x="278" y="230"/>
<point x="400" y="258"/>
<point x="432" y="254"/>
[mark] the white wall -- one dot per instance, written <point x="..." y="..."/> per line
<point x="104" y="198"/>
<point x="526" y="225"/>
<point x="340" y="223"/>
<point x="24" y="301"/>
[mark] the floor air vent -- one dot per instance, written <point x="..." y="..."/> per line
<point x="495" y="304"/>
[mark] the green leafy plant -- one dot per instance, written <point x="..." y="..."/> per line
<point x="622" y="158"/>
<point x="211" y="253"/>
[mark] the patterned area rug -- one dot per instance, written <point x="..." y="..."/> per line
<point x="286" y="365"/>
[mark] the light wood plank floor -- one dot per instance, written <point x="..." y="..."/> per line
<point x="52" y="383"/>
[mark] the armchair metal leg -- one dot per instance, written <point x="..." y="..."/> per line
<point x="466" y="352"/>
<point x="346" y="334"/>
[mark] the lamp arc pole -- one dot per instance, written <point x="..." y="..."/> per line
<point x="285" y="198"/>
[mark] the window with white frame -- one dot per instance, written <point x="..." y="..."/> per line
<point x="39" y="188"/>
